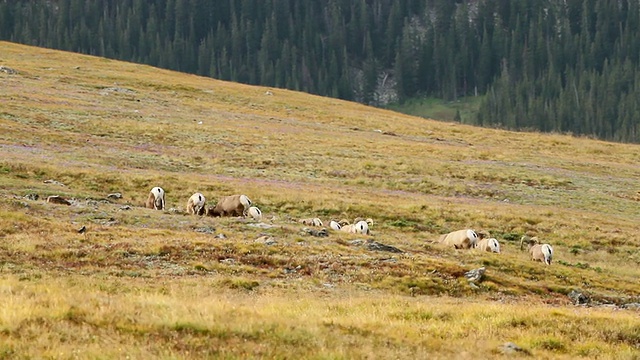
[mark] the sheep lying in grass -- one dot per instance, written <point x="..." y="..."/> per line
<point x="311" y="222"/>
<point x="369" y="221"/>
<point x="538" y="252"/>
<point x="254" y="213"/>
<point x="232" y="205"/>
<point x="460" y="239"/>
<point x="335" y="225"/>
<point x="156" y="199"/>
<point x="195" y="205"/>
<point x="361" y="227"/>
<point x="490" y="245"/>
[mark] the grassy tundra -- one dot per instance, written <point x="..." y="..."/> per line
<point x="142" y="284"/>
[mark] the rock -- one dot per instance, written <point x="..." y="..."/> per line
<point x="475" y="275"/>
<point x="116" y="89"/>
<point x="91" y="202"/>
<point x="114" y="196"/>
<point x="631" y="306"/>
<point x="206" y="230"/>
<point x="372" y="245"/>
<point x="125" y="207"/>
<point x="56" y="199"/>
<point x="32" y="196"/>
<point x="319" y="233"/>
<point x="357" y="242"/>
<point x="261" y="225"/>
<point x="55" y="182"/>
<point x="267" y="240"/>
<point x="376" y="246"/>
<point x="511" y="348"/>
<point x="221" y="236"/>
<point x="578" y="297"/>
<point x="8" y="70"/>
<point x="289" y="270"/>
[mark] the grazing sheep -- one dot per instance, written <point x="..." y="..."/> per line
<point x="311" y="222"/>
<point x="490" y="245"/>
<point x="361" y="227"/>
<point x="335" y="225"/>
<point x="156" y="199"/>
<point x="246" y="203"/>
<point x="232" y="205"/>
<point x="195" y="205"/>
<point x="460" y="239"/>
<point x="539" y="252"/>
<point x="255" y="213"/>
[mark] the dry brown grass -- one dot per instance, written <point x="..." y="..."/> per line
<point x="143" y="283"/>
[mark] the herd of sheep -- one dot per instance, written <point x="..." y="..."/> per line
<point x="233" y="205"/>
<point x="241" y="205"/>
<point x="469" y="239"/>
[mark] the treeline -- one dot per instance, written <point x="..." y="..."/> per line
<point x="553" y="65"/>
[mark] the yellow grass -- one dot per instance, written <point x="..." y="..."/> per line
<point x="152" y="284"/>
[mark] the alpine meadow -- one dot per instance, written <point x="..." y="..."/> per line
<point x="105" y="277"/>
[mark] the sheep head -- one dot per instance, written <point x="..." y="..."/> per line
<point x="530" y="241"/>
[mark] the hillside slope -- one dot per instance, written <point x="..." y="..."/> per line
<point x="165" y="284"/>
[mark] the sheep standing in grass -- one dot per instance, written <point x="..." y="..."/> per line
<point x="195" y="205"/>
<point x="460" y="239"/>
<point x="232" y="205"/>
<point x="538" y="252"/>
<point x="254" y="213"/>
<point x="156" y="199"/>
<point x="490" y="245"/>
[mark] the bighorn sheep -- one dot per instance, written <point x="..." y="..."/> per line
<point x="460" y="239"/>
<point x="490" y="245"/>
<point x="232" y="205"/>
<point x="369" y="221"/>
<point x="255" y="213"/>
<point x="335" y="225"/>
<point x="195" y="205"/>
<point x="155" y="199"/>
<point x="539" y="252"/>
<point x="311" y="222"/>
<point x="361" y="227"/>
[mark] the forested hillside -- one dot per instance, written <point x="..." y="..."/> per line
<point x="565" y="66"/>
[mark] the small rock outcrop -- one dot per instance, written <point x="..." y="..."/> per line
<point x="475" y="275"/>
<point x="8" y="70"/>
<point x="56" y="199"/>
<point x="32" y="196"/>
<point x="578" y="297"/>
<point x="510" y="348"/>
<point x="313" y="232"/>
<point x="114" y="196"/>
